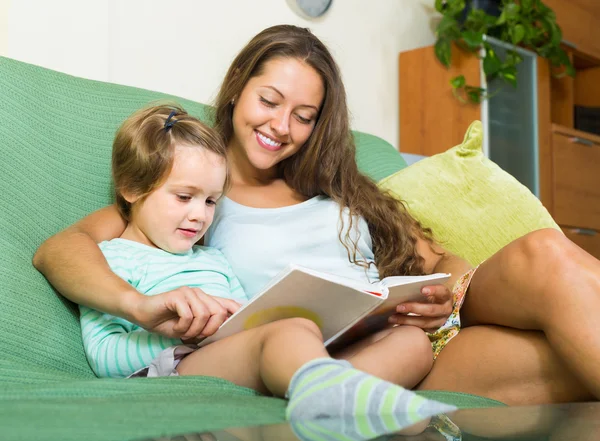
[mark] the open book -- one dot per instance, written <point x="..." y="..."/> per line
<point x="345" y="310"/>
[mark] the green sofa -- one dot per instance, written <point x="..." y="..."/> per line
<point x="55" y="137"/>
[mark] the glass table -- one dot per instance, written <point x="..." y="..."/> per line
<point x="577" y="421"/>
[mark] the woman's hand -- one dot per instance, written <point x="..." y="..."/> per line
<point x="431" y="313"/>
<point x="185" y="313"/>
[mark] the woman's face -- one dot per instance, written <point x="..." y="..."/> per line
<point x="275" y="114"/>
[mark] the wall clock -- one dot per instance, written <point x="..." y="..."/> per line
<point x="310" y="8"/>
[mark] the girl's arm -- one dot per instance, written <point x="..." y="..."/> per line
<point x="73" y="263"/>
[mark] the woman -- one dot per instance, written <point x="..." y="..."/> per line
<point x="282" y="112"/>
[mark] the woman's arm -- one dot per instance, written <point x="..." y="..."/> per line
<point x="437" y="299"/>
<point x="438" y="260"/>
<point x="75" y="266"/>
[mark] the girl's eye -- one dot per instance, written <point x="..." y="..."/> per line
<point x="267" y="102"/>
<point x="183" y="197"/>
<point x="303" y="120"/>
<point x="211" y="202"/>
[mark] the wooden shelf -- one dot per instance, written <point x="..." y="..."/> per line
<point x="568" y="131"/>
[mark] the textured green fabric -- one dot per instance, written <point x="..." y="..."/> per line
<point x="375" y="157"/>
<point x="473" y="206"/>
<point x="55" y="140"/>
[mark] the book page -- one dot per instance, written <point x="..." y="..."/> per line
<point x="405" y="289"/>
<point x="433" y="279"/>
<point x="297" y="293"/>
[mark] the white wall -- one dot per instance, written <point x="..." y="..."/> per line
<point x="184" y="47"/>
<point x="4" y="26"/>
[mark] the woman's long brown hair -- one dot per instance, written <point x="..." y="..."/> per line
<point x="326" y="164"/>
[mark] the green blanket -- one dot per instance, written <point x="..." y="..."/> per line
<point x="55" y="139"/>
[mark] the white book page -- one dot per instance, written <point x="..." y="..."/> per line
<point x="403" y="289"/>
<point x="353" y="283"/>
<point x="434" y="279"/>
<point x="303" y="293"/>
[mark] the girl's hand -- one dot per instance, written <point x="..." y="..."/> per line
<point x="184" y="313"/>
<point x="430" y="314"/>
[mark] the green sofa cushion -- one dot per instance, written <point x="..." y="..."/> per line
<point x="56" y="136"/>
<point x="56" y="133"/>
<point x="375" y="157"/>
<point x="451" y="193"/>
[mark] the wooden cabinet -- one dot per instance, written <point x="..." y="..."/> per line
<point x="567" y="161"/>
<point x="426" y="101"/>
<point x="576" y="182"/>
<point x="578" y="20"/>
<point x="576" y="186"/>
<point x="589" y="240"/>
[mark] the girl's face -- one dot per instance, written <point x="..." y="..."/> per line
<point x="177" y="214"/>
<point x="275" y="114"/>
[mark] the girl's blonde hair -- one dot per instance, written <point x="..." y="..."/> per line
<point x="144" y="149"/>
<point x="326" y="164"/>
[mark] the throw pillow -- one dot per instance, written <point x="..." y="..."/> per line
<point x="473" y="206"/>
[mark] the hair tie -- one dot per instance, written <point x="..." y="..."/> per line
<point x="170" y="122"/>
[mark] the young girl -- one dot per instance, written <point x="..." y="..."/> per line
<point x="169" y="171"/>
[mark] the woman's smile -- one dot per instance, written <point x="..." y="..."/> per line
<point x="268" y="142"/>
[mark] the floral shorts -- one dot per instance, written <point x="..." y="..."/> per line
<point x="440" y="338"/>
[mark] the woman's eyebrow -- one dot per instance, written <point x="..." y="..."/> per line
<point x="283" y="96"/>
<point x="275" y="89"/>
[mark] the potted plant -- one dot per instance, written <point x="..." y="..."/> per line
<point x="526" y="23"/>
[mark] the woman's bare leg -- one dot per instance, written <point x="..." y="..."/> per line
<point x="539" y="282"/>
<point x="512" y="366"/>
<point x="401" y="355"/>
<point x="544" y="282"/>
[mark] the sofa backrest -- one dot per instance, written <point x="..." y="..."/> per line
<point x="56" y="133"/>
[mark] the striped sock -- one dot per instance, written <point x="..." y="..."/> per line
<point x="332" y="389"/>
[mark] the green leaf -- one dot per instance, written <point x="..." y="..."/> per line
<point x="513" y="58"/>
<point x="439" y="5"/>
<point x="560" y="58"/>
<point x="473" y="39"/>
<point x="453" y="7"/>
<point x="458" y="82"/>
<point x="526" y="6"/>
<point x="509" y="74"/>
<point x="460" y="5"/>
<point x="443" y="51"/>
<point x="491" y="63"/>
<point x="502" y="19"/>
<point x="474" y="96"/>
<point x="447" y="27"/>
<point x="478" y="21"/>
<point x="518" y="33"/>
<point x="512" y="11"/>
<point x="545" y="11"/>
<point x="534" y="33"/>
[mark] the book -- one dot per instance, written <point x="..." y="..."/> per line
<point x="345" y="310"/>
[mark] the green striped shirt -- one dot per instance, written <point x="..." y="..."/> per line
<point x="117" y="348"/>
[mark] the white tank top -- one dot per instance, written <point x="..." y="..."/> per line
<point x="261" y="242"/>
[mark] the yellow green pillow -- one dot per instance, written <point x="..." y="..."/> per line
<point x="473" y="206"/>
